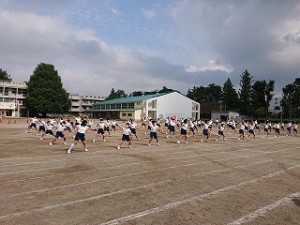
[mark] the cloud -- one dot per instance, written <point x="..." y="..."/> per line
<point x="149" y="14"/>
<point x="212" y="65"/>
<point x="261" y="36"/>
<point x="98" y="46"/>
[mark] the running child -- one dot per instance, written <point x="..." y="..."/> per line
<point x="59" y="133"/>
<point x="49" y="130"/>
<point x="221" y="131"/>
<point x="80" y="136"/>
<point x="100" y="130"/>
<point x="205" y="131"/>
<point x="242" y="131"/>
<point x="183" y="131"/>
<point x="126" y="136"/>
<point x="132" y="126"/>
<point x="153" y="132"/>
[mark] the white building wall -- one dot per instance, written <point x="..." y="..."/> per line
<point x="173" y="104"/>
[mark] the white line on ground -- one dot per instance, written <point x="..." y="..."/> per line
<point x="180" y="152"/>
<point x="264" y="210"/>
<point x="86" y="199"/>
<point x="192" y="199"/>
<point x="122" y="176"/>
<point x="122" y="191"/>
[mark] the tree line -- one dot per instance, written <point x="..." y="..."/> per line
<point x="45" y="94"/>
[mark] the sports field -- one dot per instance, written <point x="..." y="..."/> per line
<point x="256" y="181"/>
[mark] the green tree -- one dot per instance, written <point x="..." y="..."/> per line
<point x="202" y="94"/>
<point x="259" y="98"/>
<point x="291" y="99"/>
<point x="245" y="93"/>
<point x="45" y="93"/>
<point x="230" y="97"/>
<point x="4" y="76"/>
<point x="116" y="94"/>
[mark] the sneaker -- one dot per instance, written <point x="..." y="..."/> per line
<point x="129" y="146"/>
<point x="94" y="140"/>
<point x="118" y="147"/>
<point x="167" y="136"/>
<point x="158" y="144"/>
<point x="104" y="140"/>
<point x="41" y="139"/>
<point x="65" y="143"/>
<point x="201" y="140"/>
<point x="69" y="151"/>
<point x="239" y="139"/>
<point x="50" y="143"/>
<point x="148" y="144"/>
<point x="86" y="150"/>
<point x="178" y="142"/>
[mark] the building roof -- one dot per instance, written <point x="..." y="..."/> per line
<point x="131" y="99"/>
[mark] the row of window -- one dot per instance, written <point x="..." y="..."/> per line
<point x="126" y="114"/>
<point x="6" y="91"/>
<point x="115" y="106"/>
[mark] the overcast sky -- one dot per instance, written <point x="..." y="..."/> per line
<point x="96" y="45"/>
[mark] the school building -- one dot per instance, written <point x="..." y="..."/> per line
<point x="12" y="96"/>
<point x="224" y="115"/>
<point x="160" y="105"/>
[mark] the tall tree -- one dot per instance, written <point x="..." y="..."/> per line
<point x="45" y="93"/>
<point x="258" y="98"/>
<point x="245" y="93"/>
<point x="4" y="76"/>
<point x="116" y="94"/>
<point x="291" y="99"/>
<point x="230" y="97"/>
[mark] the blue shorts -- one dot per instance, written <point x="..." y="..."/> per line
<point x="171" y="128"/>
<point x="153" y="135"/>
<point x="221" y="133"/>
<point x="183" y="132"/>
<point x="125" y="137"/>
<point x="133" y="130"/>
<point x="49" y="132"/>
<point x="79" y="137"/>
<point x="59" y="134"/>
<point x="100" y="131"/>
<point x="241" y="131"/>
<point x="205" y="132"/>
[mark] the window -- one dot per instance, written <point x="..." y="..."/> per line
<point x="102" y="106"/>
<point x="107" y="106"/>
<point x="124" y="114"/>
<point x="124" y="106"/>
<point x="113" y="106"/>
<point x="130" y="105"/>
<point x="118" y="106"/>
<point x="154" y="103"/>
<point x="129" y="114"/>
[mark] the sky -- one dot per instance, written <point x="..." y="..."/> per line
<point x="143" y="45"/>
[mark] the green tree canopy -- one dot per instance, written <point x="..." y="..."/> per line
<point x="116" y="94"/>
<point x="245" y="93"/>
<point x="4" y="76"/>
<point x="45" y="92"/>
<point x="202" y="94"/>
<point x="230" y="97"/>
<point x="291" y="99"/>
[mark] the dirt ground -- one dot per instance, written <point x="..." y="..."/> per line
<point x="256" y="181"/>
